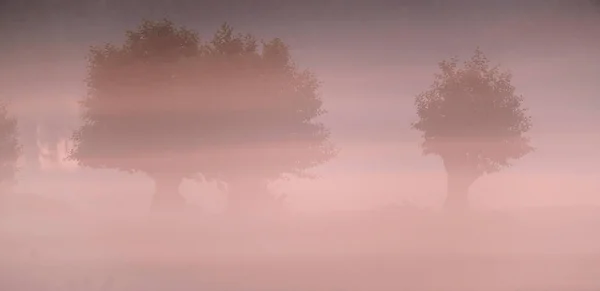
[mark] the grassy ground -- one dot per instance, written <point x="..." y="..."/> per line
<point x="549" y="250"/>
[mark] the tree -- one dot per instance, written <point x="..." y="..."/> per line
<point x="10" y="148"/>
<point x="596" y="4"/>
<point x="168" y="105"/>
<point x="472" y="118"/>
<point x="261" y="123"/>
<point x="132" y="119"/>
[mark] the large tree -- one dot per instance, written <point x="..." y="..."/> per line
<point x="168" y="105"/>
<point x="260" y="116"/>
<point x="473" y="119"/>
<point x="10" y="148"/>
<point x="596" y="4"/>
<point x="131" y="116"/>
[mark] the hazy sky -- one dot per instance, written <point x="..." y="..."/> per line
<point x="373" y="58"/>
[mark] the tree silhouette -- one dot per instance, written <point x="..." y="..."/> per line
<point x="131" y="120"/>
<point x="165" y="104"/>
<point x="260" y="123"/>
<point x="596" y="3"/>
<point x="472" y="118"/>
<point x="10" y="149"/>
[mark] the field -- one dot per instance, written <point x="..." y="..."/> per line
<point x="552" y="249"/>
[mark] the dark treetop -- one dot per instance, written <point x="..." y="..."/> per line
<point x="472" y="115"/>
<point x="165" y="101"/>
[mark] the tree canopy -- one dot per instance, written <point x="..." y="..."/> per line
<point x="130" y="121"/>
<point x="472" y="118"/>
<point x="264" y="111"/>
<point x="165" y="102"/>
<point x="10" y="148"/>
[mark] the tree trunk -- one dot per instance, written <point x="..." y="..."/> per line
<point x="457" y="199"/>
<point x="166" y="196"/>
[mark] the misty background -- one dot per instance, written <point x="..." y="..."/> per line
<point x="373" y="57"/>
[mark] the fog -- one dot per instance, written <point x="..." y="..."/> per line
<point x="373" y="218"/>
<point x="399" y="247"/>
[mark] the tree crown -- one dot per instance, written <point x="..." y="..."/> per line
<point x="224" y="107"/>
<point x="10" y="148"/>
<point x="473" y="113"/>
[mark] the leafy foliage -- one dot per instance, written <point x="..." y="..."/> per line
<point x="127" y="114"/>
<point x="596" y="4"/>
<point x="472" y="116"/>
<point x="164" y="100"/>
<point x="266" y="109"/>
<point x="10" y="148"/>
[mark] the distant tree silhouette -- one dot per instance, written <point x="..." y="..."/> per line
<point x="261" y="119"/>
<point x="472" y="118"/>
<point x="596" y="3"/>
<point x="10" y="148"/>
<point x="130" y="116"/>
<point x="165" y="104"/>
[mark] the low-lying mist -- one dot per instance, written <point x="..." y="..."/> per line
<point x="382" y="249"/>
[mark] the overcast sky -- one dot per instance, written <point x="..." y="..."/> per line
<point x="373" y="58"/>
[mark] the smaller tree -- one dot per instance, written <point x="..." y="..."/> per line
<point x="596" y="4"/>
<point x="472" y="118"/>
<point x="10" y="149"/>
